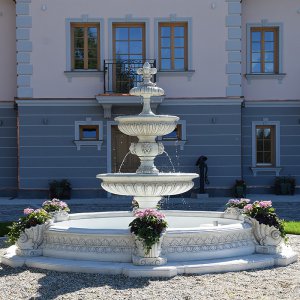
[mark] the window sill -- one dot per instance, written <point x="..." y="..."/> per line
<point x="84" y="73"/>
<point x="275" y="170"/>
<point x="173" y="143"/>
<point x="252" y="76"/>
<point x="88" y="143"/>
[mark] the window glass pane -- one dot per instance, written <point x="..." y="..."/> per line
<point x="79" y="43"/>
<point x="179" y="52"/>
<point x="269" y="36"/>
<point x="256" y="36"/>
<point x="269" y="67"/>
<point x="165" y="64"/>
<point x="178" y="64"/>
<point x="269" y="46"/>
<point x="136" y="33"/>
<point x="255" y="46"/>
<point x="92" y="53"/>
<point x="179" y="31"/>
<point x="136" y="47"/>
<point x="92" y="32"/>
<point x="79" y="64"/>
<point x="259" y="145"/>
<point x="259" y="133"/>
<point x="136" y="58"/>
<point x="92" y="43"/>
<point x="79" y="54"/>
<point x="267" y="133"/>
<point x="165" y="42"/>
<point x="259" y="157"/>
<point x="165" y="31"/>
<point x="122" y="47"/>
<point x="179" y="42"/>
<point x="269" y="56"/>
<point x="92" y="64"/>
<point x="78" y="32"/>
<point x="256" y="57"/>
<point x="267" y="157"/>
<point x="121" y="33"/>
<point x="89" y="133"/>
<point x="255" y="68"/>
<point x="165" y="53"/>
<point x="171" y="136"/>
<point x="267" y="145"/>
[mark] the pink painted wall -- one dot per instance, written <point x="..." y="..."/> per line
<point x="275" y="11"/>
<point x="209" y="35"/>
<point x="8" y="74"/>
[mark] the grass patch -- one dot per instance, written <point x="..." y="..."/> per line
<point x="4" y="228"/>
<point x="292" y="227"/>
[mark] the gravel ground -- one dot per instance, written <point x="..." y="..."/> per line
<point x="276" y="283"/>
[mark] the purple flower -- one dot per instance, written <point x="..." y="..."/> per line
<point x="248" y="207"/>
<point x="28" y="211"/>
<point x="265" y="204"/>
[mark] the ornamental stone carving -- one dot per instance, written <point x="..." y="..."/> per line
<point x="233" y="213"/>
<point x="30" y="241"/>
<point x="59" y="216"/>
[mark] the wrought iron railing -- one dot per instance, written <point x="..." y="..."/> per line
<point x="120" y="75"/>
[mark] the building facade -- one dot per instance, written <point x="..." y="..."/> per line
<point x="228" y="67"/>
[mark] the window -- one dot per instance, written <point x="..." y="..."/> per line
<point x="175" y="135"/>
<point x="85" y="51"/>
<point x="173" y="46"/>
<point x="89" y="132"/>
<point x="265" y="147"/>
<point x="265" y="142"/>
<point x="264" y="57"/>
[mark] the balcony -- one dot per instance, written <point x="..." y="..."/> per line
<point x="120" y="75"/>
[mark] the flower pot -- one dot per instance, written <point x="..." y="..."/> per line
<point x="59" y="216"/>
<point x="155" y="250"/>
<point x="265" y="235"/>
<point x="240" y="191"/>
<point x="285" y="188"/>
<point x="233" y="213"/>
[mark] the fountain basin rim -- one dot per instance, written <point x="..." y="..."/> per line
<point x="141" y="177"/>
<point x="147" y="118"/>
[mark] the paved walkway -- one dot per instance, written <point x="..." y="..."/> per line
<point x="287" y="207"/>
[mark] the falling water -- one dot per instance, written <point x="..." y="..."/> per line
<point x="123" y="161"/>
<point x="170" y="160"/>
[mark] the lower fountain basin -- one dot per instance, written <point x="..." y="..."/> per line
<point x="190" y="236"/>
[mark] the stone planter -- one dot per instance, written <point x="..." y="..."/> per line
<point x="59" y="216"/>
<point x="30" y="241"/>
<point x="268" y="238"/>
<point x="233" y="213"/>
<point x="140" y="257"/>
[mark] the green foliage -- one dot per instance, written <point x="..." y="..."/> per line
<point x="35" y="217"/>
<point x="292" y="227"/>
<point x="284" y="185"/>
<point x="60" y="189"/>
<point x="4" y="228"/>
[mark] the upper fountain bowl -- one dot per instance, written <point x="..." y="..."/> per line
<point x="147" y="125"/>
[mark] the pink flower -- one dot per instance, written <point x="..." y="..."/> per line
<point x="28" y="211"/>
<point x="248" y="207"/>
<point x="265" y="204"/>
<point x="148" y="212"/>
<point x="245" y="200"/>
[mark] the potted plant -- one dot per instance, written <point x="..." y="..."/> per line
<point x="28" y="232"/>
<point x="284" y="185"/>
<point x="57" y="209"/>
<point x="239" y="189"/>
<point x="267" y="228"/>
<point x="235" y="207"/>
<point x="148" y="228"/>
<point x="60" y="189"/>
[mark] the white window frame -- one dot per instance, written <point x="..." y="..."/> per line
<point x="79" y="143"/>
<point x="257" y="169"/>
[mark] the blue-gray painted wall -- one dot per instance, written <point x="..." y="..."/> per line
<point x="8" y="151"/>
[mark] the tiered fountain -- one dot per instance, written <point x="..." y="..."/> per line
<point x="195" y="241"/>
<point x="147" y="185"/>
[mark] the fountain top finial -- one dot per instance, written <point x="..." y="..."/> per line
<point x="146" y="71"/>
<point x="147" y="88"/>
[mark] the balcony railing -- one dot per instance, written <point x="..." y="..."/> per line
<point x="120" y="75"/>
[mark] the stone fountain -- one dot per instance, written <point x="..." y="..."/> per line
<point x="147" y="185"/>
<point x="196" y="242"/>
